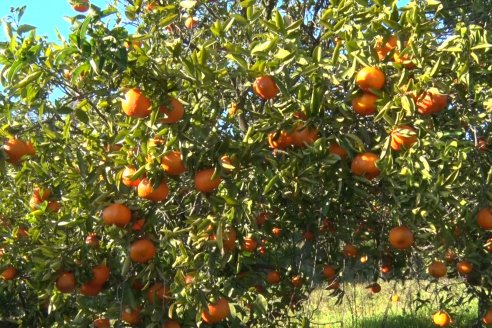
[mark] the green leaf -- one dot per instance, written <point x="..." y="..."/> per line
<point x="25" y="28"/>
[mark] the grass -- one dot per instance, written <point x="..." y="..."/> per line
<point x="360" y="308"/>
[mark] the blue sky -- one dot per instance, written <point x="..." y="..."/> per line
<point x="46" y="15"/>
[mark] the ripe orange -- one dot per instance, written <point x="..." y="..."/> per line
<point x="487" y="318"/>
<point x="296" y="281"/>
<point x="364" y="258"/>
<point x="405" y="60"/>
<point x="482" y="144"/>
<point x="333" y="285"/>
<point x="262" y="218"/>
<point x="22" y="232"/>
<point x="280" y="141"/>
<point x="189" y="278"/>
<point x="308" y="235"/>
<point x="484" y="218"/>
<point x="158" y="293"/>
<point x="302" y="135"/>
<point x="15" y="149"/>
<point x="191" y="22"/>
<point x="130" y="316"/>
<point x="117" y="214"/>
<point x="329" y="271"/>
<point x="395" y="298"/>
<point x="441" y="319"/>
<point x="450" y="256"/>
<point x="336" y="149"/>
<point x="382" y="50"/>
<point x="90" y="289"/>
<point x="173" y="115"/>
<point x="128" y="172"/>
<point x="464" y="267"/>
<point x="375" y="288"/>
<point x="276" y="231"/>
<point x="204" y="181"/>
<point x="349" y="250"/>
<point x="81" y="6"/>
<point x="142" y="251"/>
<point x="403" y="137"/>
<point x="136" y="104"/>
<point x="138" y="224"/>
<point x="430" y="102"/>
<point x="101" y="323"/>
<point x="488" y="245"/>
<point x="385" y="268"/>
<point x="171" y="324"/>
<point x="437" y="269"/>
<point x="92" y="240"/>
<point x="172" y="163"/>
<point x="265" y="87"/>
<point x="273" y="277"/>
<point x="147" y="191"/>
<point x="216" y="312"/>
<point x="249" y="244"/>
<point x="229" y="239"/>
<point x="232" y="109"/>
<point x="365" y="105"/>
<point x="365" y="165"/>
<point x="370" y="78"/>
<point x="30" y="148"/>
<point x="100" y="274"/>
<point x="53" y="207"/>
<point x="227" y="163"/>
<point x="66" y="282"/>
<point x="401" y="237"/>
<point x="9" y="273"/>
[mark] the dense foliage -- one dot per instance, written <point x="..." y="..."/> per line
<point x="215" y="161"/>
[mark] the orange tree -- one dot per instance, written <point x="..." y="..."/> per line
<point x="210" y="163"/>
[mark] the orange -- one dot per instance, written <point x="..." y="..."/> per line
<point x="92" y="240"/>
<point x="130" y="316"/>
<point x="349" y="250"/>
<point x="229" y="239"/>
<point x="401" y="237"/>
<point x="464" y="267"/>
<point x="336" y="149"/>
<point x="370" y="78"/>
<point x="276" y="231"/>
<point x="395" y="298"/>
<point x="296" y="281"/>
<point x="142" y="251"/>
<point x="40" y="194"/>
<point x="431" y="102"/>
<point x="482" y="144"/>
<point x="216" y="312"/>
<point x="128" y="172"/>
<point x="265" y="87"/>
<point x="262" y="218"/>
<point x="385" y="268"/>
<point x="191" y="22"/>
<point x="437" y="269"/>
<point x="101" y="323"/>
<point x="66" y="282"/>
<point x="329" y="271"/>
<point x="136" y="104"/>
<point x="280" y="140"/>
<point x="15" y="149"/>
<point x="308" y="235"/>
<point x="189" y="278"/>
<point x="488" y="245"/>
<point x="9" y="273"/>
<point x="204" y="181"/>
<point x="227" y="163"/>
<point x="365" y="105"/>
<point x="171" y="324"/>
<point x="172" y="163"/>
<point x="138" y="225"/>
<point x="117" y="214"/>
<point x="30" y="148"/>
<point x="100" y="274"/>
<point x="22" y="232"/>
<point x="484" y="218"/>
<point x="150" y="6"/>
<point x="81" y="6"/>
<point x="375" y="288"/>
<point x="232" y="109"/>
<point x="273" y="277"/>
<point x="249" y="244"/>
<point x="450" y="256"/>
<point x="173" y="115"/>
<point x="441" y="319"/>
<point x="53" y="207"/>
<point x="303" y="135"/>
<point x="405" y="60"/>
<point x="147" y="191"/>
<point x="158" y="293"/>
<point x="382" y="50"/>
<point x="90" y="289"/>
<point x="333" y="285"/>
<point x="365" y="165"/>
<point x="403" y="137"/>
<point x="364" y="258"/>
<point x="487" y="318"/>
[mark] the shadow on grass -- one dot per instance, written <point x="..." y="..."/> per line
<point x="408" y="322"/>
